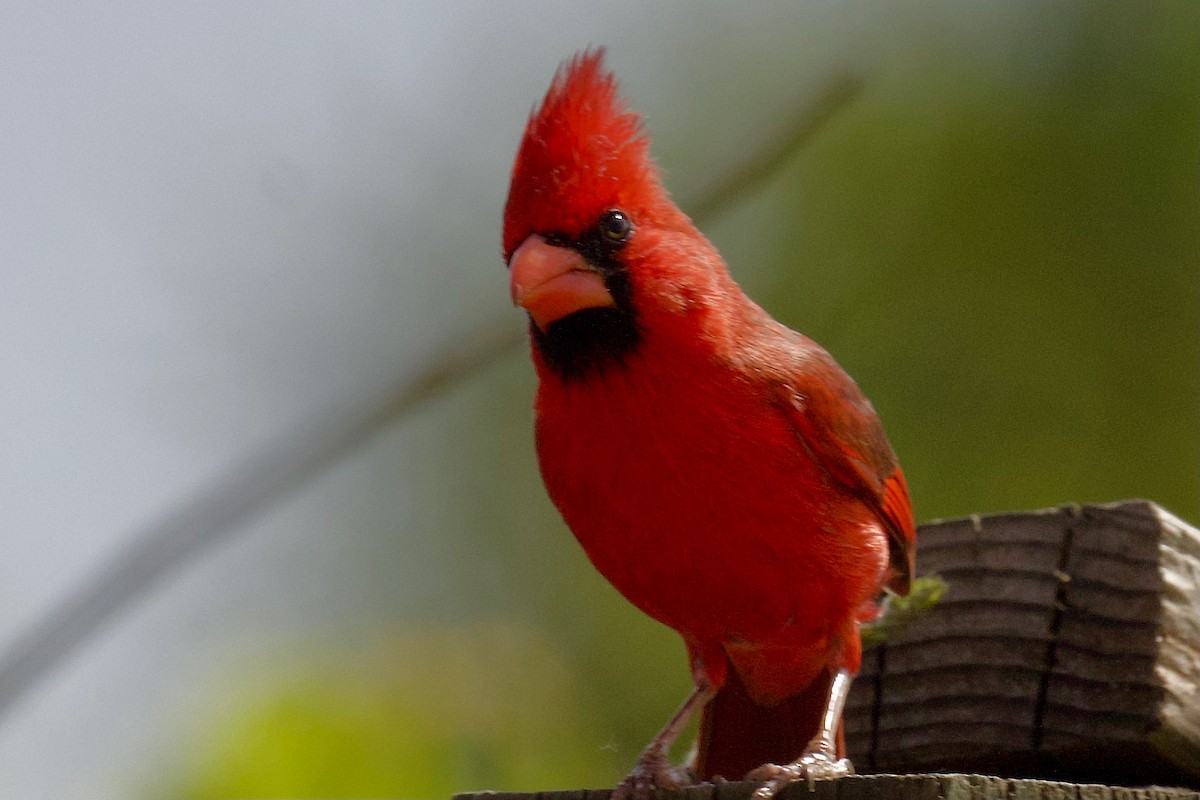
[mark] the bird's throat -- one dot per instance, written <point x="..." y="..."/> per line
<point x="587" y="342"/>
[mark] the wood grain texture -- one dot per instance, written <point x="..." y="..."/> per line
<point x="882" y="787"/>
<point x="1067" y="646"/>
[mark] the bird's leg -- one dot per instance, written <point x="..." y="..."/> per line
<point x="820" y="760"/>
<point x="652" y="770"/>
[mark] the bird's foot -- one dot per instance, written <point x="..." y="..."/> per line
<point x="652" y="772"/>
<point x="813" y="765"/>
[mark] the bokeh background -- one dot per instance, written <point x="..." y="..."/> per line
<point x="224" y="223"/>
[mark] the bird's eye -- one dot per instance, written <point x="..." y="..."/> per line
<point x="615" y="227"/>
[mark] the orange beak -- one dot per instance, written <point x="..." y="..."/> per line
<point x="551" y="282"/>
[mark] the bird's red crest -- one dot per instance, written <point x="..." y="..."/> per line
<point x="583" y="152"/>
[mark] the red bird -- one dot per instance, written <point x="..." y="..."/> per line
<point x="721" y="470"/>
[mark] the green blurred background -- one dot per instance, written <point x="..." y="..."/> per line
<point x="1003" y="255"/>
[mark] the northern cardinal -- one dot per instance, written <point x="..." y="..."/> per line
<point x="721" y="470"/>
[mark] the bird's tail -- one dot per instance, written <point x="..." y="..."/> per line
<point x="737" y="735"/>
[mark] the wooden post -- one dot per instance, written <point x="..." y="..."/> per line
<point x="881" y="787"/>
<point x="1067" y="646"/>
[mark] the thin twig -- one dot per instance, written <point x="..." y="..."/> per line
<point x="768" y="162"/>
<point x="183" y="533"/>
<point x="203" y="520"/>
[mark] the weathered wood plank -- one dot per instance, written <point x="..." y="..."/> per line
<point x="1067" y="646"/>
<point x="882" y="787"/>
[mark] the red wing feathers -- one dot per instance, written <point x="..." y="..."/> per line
<point x="836" y="423"/>
<point x="897" y="513"/>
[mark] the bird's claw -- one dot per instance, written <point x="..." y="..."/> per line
<point x="651" y="774"/>
<point x="815" y="765"/>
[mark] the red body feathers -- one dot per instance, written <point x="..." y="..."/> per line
<point x="721" y="470"/>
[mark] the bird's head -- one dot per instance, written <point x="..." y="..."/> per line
<point x="585" y="207"/>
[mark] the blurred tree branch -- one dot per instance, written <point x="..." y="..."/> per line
<point x="183" y="533"/>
